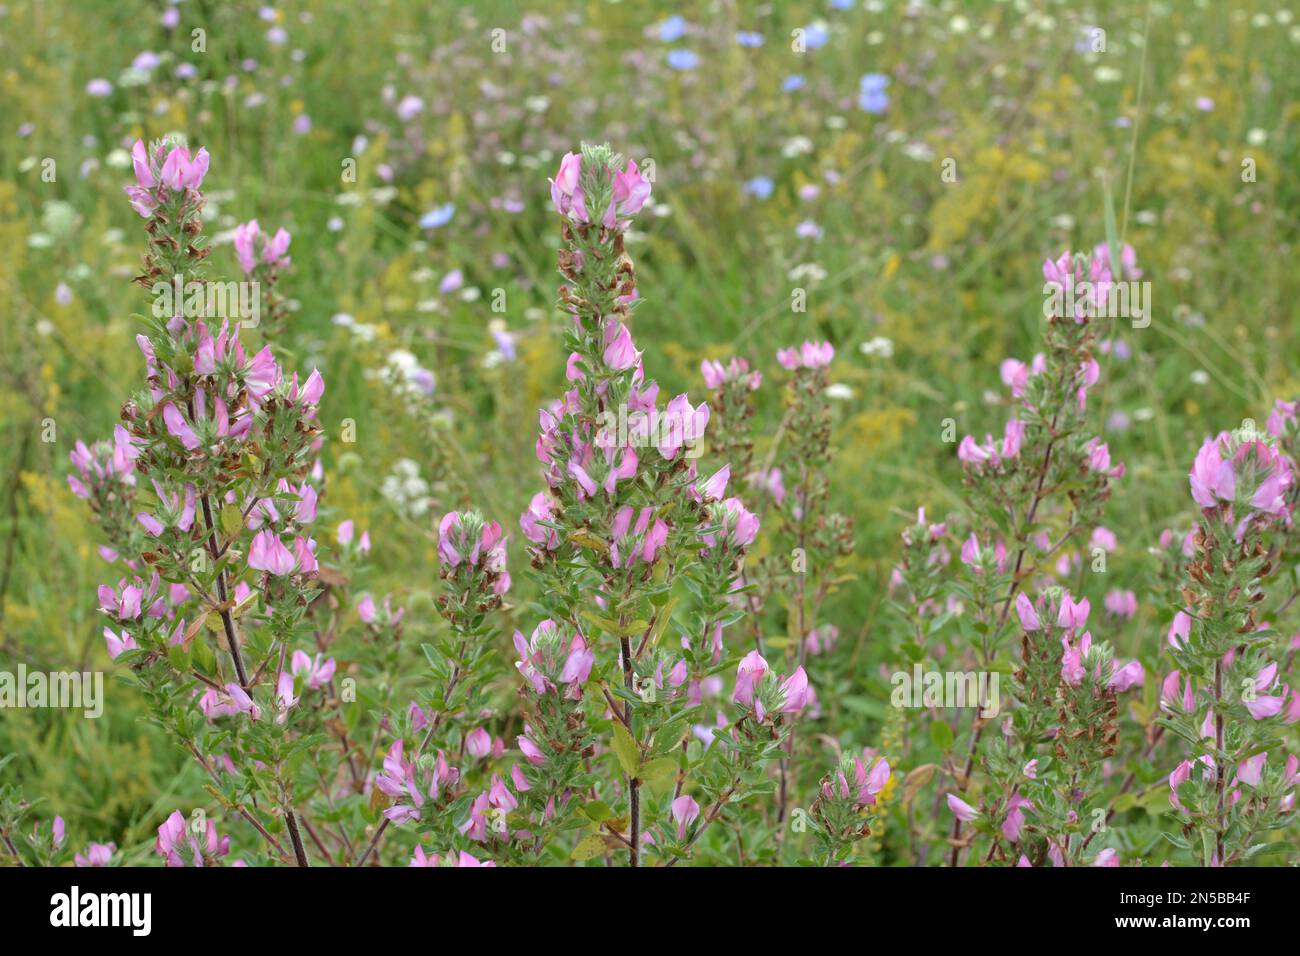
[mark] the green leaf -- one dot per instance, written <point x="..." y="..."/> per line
<point x="662" y="617"/>
<point x="232" y="520"/>
<point x="659" y="774"/>
<point x="604" y="623"/>
<point x="941" y="735"/>
<point x="669" y="734"/>
<point x="436" y="660"/>
<point x="589" y="848"/>
<point x="179" y="657"/>
<point x="204" y="659"/>
<point x="625" y="749"/>
<point x="597" y="811"/>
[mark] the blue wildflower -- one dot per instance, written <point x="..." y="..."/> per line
<point x="438" y="216"/>
<point x="683" y="59"/>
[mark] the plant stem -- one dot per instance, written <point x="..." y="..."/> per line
<point x="633" y="784"/>
<point x="232" y="640"/>
<point x="1219" y="769"/>
<point x="298" y="850"/>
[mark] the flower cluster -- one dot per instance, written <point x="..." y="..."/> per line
<point x="1226" y="697"/>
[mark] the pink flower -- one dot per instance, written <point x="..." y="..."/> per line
<point x="1127" y="259"/>
<point x="478" y="743"/>
<point x="175" y="836"/>
<point x="1013" y="436"/>
<point x="630" y="191"/>
<point x="144" y="177"/>
<point x="970" y="452"/>
<point x="97" y="854"/>
<point x="684" y="810"/>
<point x="532" y="753"/>
<point x="117" y="645"/>
<point x="312" y="389"/>
<point x="1126" y="677"/>
<point x="277" y="247"/>
<point x="1212" y="477"/>
<point x="1180" y="629"/>
<point x="577" y="666"/>
<point x="962" y="810"/>
<point x="457" y="542"/>
<point x="749" y="676"/>
<point x="1072" y="671"/>
<point x="716" y="374"/>
<point x="869" y="782"/>
<point x="422" y="859"/>
<point x="620" y="352"/>
<point x="1283" y="413"/>
<point x="1013" y="824"/>
<point x="1251" y="770"/>
<point x="245" y="245"/>
<point x="268" y="553"/>
<point x="795" y="692"/>
<point x="808" y="355"/>
<point x="1267" y="706"/>
<point x="540" y="509"/>
<point x="566" y="189"/>
<point x="739" y="525"/>
<point x="261" y="375"/>
<point x="1176" y="693"/>
<point x="1121" y="603"/>
<point x="180" y="172"/>
<point x="1104" y="538"/>
<point x="641" y="540"/>
<point x="1025" y="610"/>
<point x="241" y="702"/>
<point x="151" y="524"/>
<point x="318" y="674"/>
<point x="1099" y="459"/>
<point x="714" y="487"/>
<point x="1107" y="857"/>
<point x="770" y="481"/>
<point x="171" y="837"/>
<point x="284" y="698"/>
<point x="1072" y="616"/>
<point x="1015" y="375"/>
<point x="178" y="427"/>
